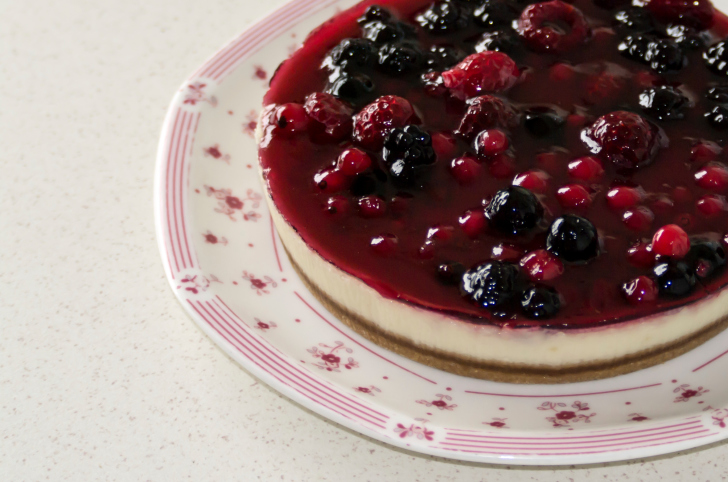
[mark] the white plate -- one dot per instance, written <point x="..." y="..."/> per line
<point x="226" y="266"/>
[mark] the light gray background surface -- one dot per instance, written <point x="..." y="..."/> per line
<point x="102" y="375"/>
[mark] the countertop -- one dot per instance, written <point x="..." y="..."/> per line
<point x="102" y="374"/>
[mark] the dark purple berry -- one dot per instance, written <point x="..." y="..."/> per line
<point x="706" y="256"/>
<point x="406" y="149"/>
<point x="498" y="41"/>
<point x="495" y="14"/>
<point x="381" y="32"/>
<point x="375" y="12"/>
<point x="686" y="37"/>
<point x="400" y="58"/>
<point x="660" y="54"/>
<point x="443" y="57"/>
<point x="352" y="55"/>
<point x="716" y="58"/>
<point x="634" y="19"/>
<point x="450" y="273"/>
<point x="675" y="279"/>
<point x="664" y="103"/>
<point x="540" y="302"/>
<point x="542" y="122"/>
<point x="354" y="88"/>
<point x="573" y="238"/>
<point x="718" y="93"/>
<point x="514" y="210"/>
<point x="718" y="117"/>
<point x="491" y="285"/>
<point x="443" y="17"/>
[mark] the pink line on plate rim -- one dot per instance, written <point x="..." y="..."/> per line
<point x="562" y="396"/>
<point x="710" y="361"/>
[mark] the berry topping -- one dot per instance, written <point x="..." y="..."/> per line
<point x="406" y="149"/>
<point x="444" y="56"/>
<point x="718" y="93"/>
<point x="442" y="17"/>
<point x="481" y="73"/>
<point x="692" y="13"/>
<point x="450" y="273"/>
<point x="337" y="205"/>
<point x="514" y="210"/>
<point x="716" y="58"/>
<point x="491" y="285"/>
<point x="485" y="112"/>
<point x="675" y="279"/>
<point x="534" y="180"/>
<point x="638" y="219"/>
<point x="400" y="58"/>
<point x="473" y="223"/>
<point x="353" y="161"/>
<point x="573" y="239"/>
<point x="290" y="119"/>
<point x="502" y="166"/>
<point x="671" y="241"/>
<point x="540" y="265"/>
<point x="355" y="88"/>
<point x="506" y="252"/>
<point x="622" y="197"/>
<point x="713" y="177"/>
<point x="383" y="31"/>
<point x="332" y="115"/>
<point x="444" y="144"/>
<point x="491" y="142"/>
<point x="634" y="19"/>
<point x="495" y="14"/>
<point x="540" y="302"/>
<point x="374" y="122"/>
<point x="372" y="206"/>
<point x="707" y="256"/>
<point x="641" y="255"/>
<point x="640" y="290"/>
<point x="664" y="103"/>
<point x="385" y="244"/>
<point x="586" y="168"/>
<point x="465" y="169"/>
<point x="626" y="139"/>
<point x="352" y="55"/>
<point x="718" y="117"/>
<point x="711" y="205"/>
<point x="498" y="41"/>
<point x="661" y="55"/>
<point x="331" y="180"/>
<point x="573" y="196"/>
<point x="552" y="26"/>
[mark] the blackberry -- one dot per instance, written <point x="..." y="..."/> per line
<point x="718" y="117"/>
<point x="352" y="55"/>
<point x="664" y="103"/>
<point x="355" y="88"/>
<point x="492" y="285"/>
<point x="375" y="12"/>
<point x="573" y="238"/>
<point x="706" y="256"/>
<point x="443" y="57"/>
<point x="542" y="122"/>
<point x="381" y="32"/>
<point x="450" y="273"/>
<point x="634" y="19"/>
<point x="442" y="17"/>
<point x="716" y="58"/>
<point x="495" y="14"/>
<point x="686" y="37"/>
<point x="718" y="93"/>
<point x="514" y="210"/>
<point x="498" y="41"/>
<point x="406" y="149"/>
<point x="400" y="58"/>
<point x="660" y="54"/>
<point x="540" y="302"/>
<point x="675" y="279"/>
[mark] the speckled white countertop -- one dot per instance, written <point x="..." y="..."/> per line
<point x="102" y="375"/>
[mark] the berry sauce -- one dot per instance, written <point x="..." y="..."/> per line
<point x="510" y="164"/>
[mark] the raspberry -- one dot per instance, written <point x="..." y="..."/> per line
<point x="540" y="26"/>
<point x="540" y="265"/>
<point x="491" y="142"/>
<point x="586" y="168"/>
<point x="442" y="17"/>
<point x="664" y="103"/>
<point x="573" y="196"/>
<point x="481" y="73"/>
<point x="626" y="139"/>
<point x="713" y="177"/>
<point x="485" y="112"/>
<point x="692" y="13"/>
<point x="374" y="122"/>
<point x="640" y="290"/>
<point x="672" y="241"/>
<point x="333" y="115"/>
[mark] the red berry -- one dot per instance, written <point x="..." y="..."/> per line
<point x="697" y="14"/>
<point x="506" y="252"/>
<point x="573" y="196"/>
<point x="332" y="114"/>
<point x="640" y="290"/>
<point x="551" y="162"/>
<point x="576" y="120"/>
<point x="473" y="223"/>
<point x="645" y="79"/>
<point x="481" y="73"/>
<point x="427" y="250"/>
<point x="384" y="244"/>
<point x="444" y="144"/>
<point x="485" y="112"/>
<point x="626" y="139"/>
<point x="539" y="25"/>
<point x="622" y="197"/>
<point x="290" y="118"/>
<point x="638" y="219"/>
<point x="705" y="151"/>
<point x="491" y="142"/>
<point x="540" y="265"/>
<point x="671" y="240"/>
<point x="641" y="255"/>
<point x="711" y="205"/>
<point x="502" y="166"/>
<point x="331" y="180"/>
<point x="465" y="169"/>
<point x="681" y="195"/>
<point x="586" y="168"/>
<point x="662" y="204"/>
<point x="561" y="72"/>
<point x="713" y="177"/>
<point x="601" y="87"/>
<point x="440" y="232"/>
<point x="353" y="161"/>
<point x="373" y="122"/>
<point x="534" y="180"/>
<point x="337" y="205"/>
<point x="372" y="206"/>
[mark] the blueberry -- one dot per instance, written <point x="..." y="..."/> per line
<point x="718" y="93"/>
<point x="514" y="210"/>
<point x="400" y="58"/>
<point x="381" y="32"/>
<point x="716" y="58"/>
<point x="686" y="37"/>
<point x="634" y="19"/>
<point x="634" y="47"/>
<point x="375" y="12"/>
<point x="442" y="17"/>
<point x="540" y="302"/>
<point x="664" y="103"/>
<point x="541" y="121"/>
<point x="450" y="273"/>
<point x="352" y="55"/>
<point x="443" y="57"/>
<point x="675" y="279"/>
<point x="706" y="256"/>
<point x="492" y="285"/>
<point x="498" y="41"/>
<point x="354" y="88"/>
<point x="661" y="55"/>
<point x="718" y="117"/>
<point x="573" y="238"/>
<point x="495" y="14"/>
<point x="406" y="149"/>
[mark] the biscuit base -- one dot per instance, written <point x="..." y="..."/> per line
<point x="510" y="372"/>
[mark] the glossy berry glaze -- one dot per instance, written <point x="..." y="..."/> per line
<point x="603" y="124"/>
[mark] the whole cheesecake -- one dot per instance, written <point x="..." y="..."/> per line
<point x="522" y="192"/>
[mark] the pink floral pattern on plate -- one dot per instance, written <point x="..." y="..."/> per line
<point x="330" y="360"/>
<point x="564" y="418"/>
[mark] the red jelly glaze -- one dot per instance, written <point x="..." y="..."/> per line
<point x="290" y="162"/>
